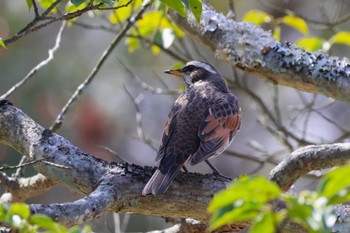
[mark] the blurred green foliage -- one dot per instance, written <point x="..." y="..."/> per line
<point x="17" y="218"/>
<point x="310" y="43"/>
<point x="2" y="44"/>
<point x="250" y="198"/>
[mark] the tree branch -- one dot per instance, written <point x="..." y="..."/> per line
<point x="254" y="50"/>
<point x="188" y="196"/>
<point x="307" y="159"/>
<point x="20" y="189"/>
<point x="133" y="19"/>
<point x="105" y="183"/>
<point x="43" y="63"/>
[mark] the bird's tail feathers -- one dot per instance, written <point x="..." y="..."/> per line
<point x="159" y="182"/>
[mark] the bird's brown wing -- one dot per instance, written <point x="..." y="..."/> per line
<point x="169" y="126"/>
<point x="218" y="128"/>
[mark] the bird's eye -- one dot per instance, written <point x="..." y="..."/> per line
<point x="189" y="68"/>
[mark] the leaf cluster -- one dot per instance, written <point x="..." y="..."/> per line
<point x="251" y="197"/>
<point x="17" y="217"/>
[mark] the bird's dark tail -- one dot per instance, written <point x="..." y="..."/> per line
<point x="159" y="182"/>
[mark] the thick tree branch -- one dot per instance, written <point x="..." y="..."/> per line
<point x="20" y="189"/>
<point x="255" y="50"/>
<point x="310" y="158"/>
<point x="307" y="159"/>
<point x="118" y="184"/>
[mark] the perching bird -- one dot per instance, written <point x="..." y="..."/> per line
<point x="202" y="123"/>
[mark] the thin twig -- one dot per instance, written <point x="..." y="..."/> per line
<point x="327" y="24"/>
<point x="58" y="122"/>
<point x="147" y="87"/>
<point x="38" y="22"/>
<point x="113" y="152"/>
<point x="19" y="171"/>
<point x="55" y="164"/>
<point x="36" y="10"/>
<point x="8" y="167"/>
<point x="39" y="66"/>
<point x="140" y="131"/>
<point x="115" y="7"/>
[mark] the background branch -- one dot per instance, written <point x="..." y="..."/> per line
<point x="259" y="53"/>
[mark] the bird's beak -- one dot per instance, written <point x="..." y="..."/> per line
<point x="177" y="73"/>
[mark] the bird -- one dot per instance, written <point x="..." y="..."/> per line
<point x="202" y="123"/>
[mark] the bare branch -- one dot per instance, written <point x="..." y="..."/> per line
<point x="39" y="66"/>
<point x="146" y="86"/>
<point x="133" y="19"/>
<point x="43" y="20"/>
<point x="140" y="130"/>
<point x="8" y="167"/>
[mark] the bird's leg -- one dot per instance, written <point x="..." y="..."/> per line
<point x="215" y="171"/>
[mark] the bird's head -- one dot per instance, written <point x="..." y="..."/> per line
<point x="198" y="71"/>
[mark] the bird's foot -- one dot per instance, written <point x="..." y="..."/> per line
<point x="215" y="170"/>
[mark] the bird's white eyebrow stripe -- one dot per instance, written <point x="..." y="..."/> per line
<point x="205" y="66"/>
<point x="208" y="68"/>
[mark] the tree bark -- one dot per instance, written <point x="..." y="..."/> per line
<point x="256" y="51"/>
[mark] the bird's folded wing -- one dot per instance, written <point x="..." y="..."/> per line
<point x="217" y="130"/>
<point x="169" y="126"/>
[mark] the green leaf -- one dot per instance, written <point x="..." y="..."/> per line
<point x="29" y="4"/>
<point x="277" y="33"/>
<point x="341" y="38"/>
<point x="44" y="222"/>
<point x="77" y="2"/>
<point x="133" y="43"/>
<point x="19" y="209"/>
<point x="2" y="44"/>
<point x="257" y="17"/>
<point x="196" y="8"/>
<point x="245" y="188"/>
<point x="242" y="200"/>
<point x="311" y="43"/>
<point x="312" y="211"/>
<point x="70" y="7"/>
<point x="121" y="14"/>
<point x="109" y="2"/>
<point x="3" y="213"/>
<point x="86" y="229"/>
<point x="265" y="222"/>
<point x="176" y="5"/>
<point x="230" y="214"/>
<point x="46" y="4"/>
<point x="177" y="65"/>
<point x="334" y="187"/>
<point x="296" y="23"/>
